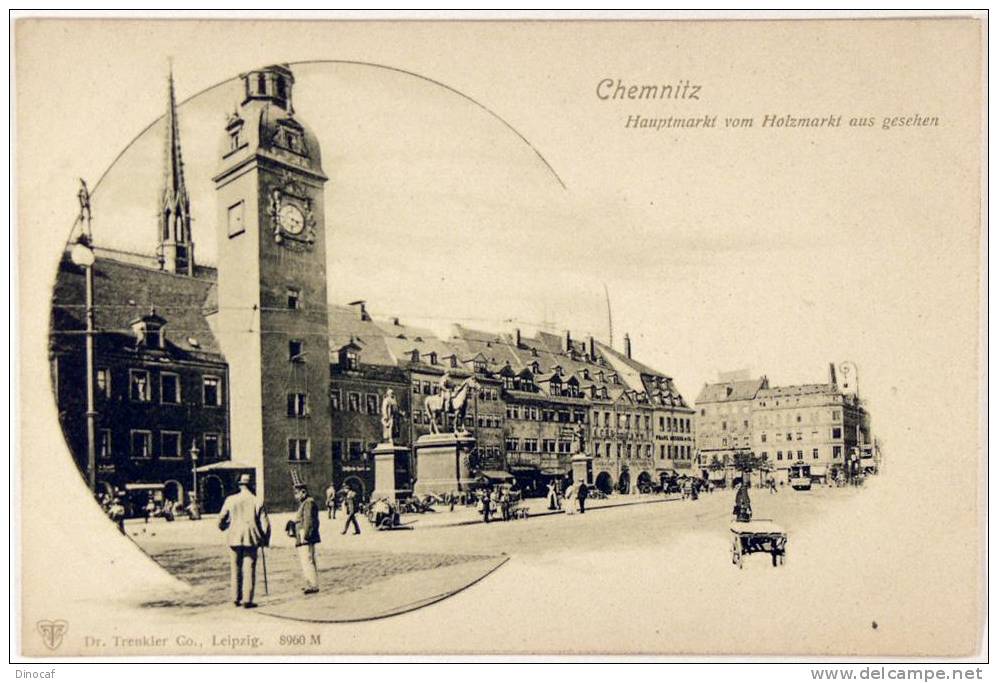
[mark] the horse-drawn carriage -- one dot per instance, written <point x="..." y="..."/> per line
<point x="758" y="536"/>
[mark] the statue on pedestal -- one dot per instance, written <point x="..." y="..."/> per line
<point x="449" y="403"/>
<point x="389" y="416"/>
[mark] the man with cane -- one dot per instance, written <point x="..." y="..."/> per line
<point x="247" y="528"/>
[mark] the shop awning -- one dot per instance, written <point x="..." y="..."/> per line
<point x="145" y="487"/>
<point x="819" y="470"/>
<point x="225" y="466"/>
<point x="495" y="475"/>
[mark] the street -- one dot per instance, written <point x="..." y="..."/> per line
<point x="380" y="573"/>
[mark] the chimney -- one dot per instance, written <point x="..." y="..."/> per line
<point x="361" y="308"/>
<point x="396" y="323"/>
<point x="568" y="341"/>
<point x="519" y="339"/>
<point x="831" y="374"/>
<point x="627" y="345"/>
<point x="592" y="348"/>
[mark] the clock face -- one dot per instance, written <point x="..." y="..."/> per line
<point x="291" y="219"/>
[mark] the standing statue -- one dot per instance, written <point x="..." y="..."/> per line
<point x="389" y="416"/>
<point x="580" y="437"/>
<point x="449" y="402"/>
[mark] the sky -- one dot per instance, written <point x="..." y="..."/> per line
<point x="776" y="251"/>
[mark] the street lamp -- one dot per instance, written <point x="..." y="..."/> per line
<point x="194" y="468"/>
<point x="82" y="254"/>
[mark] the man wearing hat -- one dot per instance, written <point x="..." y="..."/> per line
<point x="247" y="528"/>
<point x="306" y="534"/>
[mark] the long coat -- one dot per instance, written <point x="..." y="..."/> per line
<point x="244" y="520"/>
<point x="307" y="523"/>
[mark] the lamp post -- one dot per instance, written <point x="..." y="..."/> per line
<point x="82" y="254"/>
<point x="194" y="469"/>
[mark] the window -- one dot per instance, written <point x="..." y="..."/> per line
<point x="564" y="447"/>
<point x="836" y="432"/>
<point x="138" y="385"/>
<point x="661" y="452"/>
<point x="141" y="444"/>
<point x="355" y="450"/>
<point x="798" y="417"/>
<point x="169" y="388"/>
<point x="337" y="451"/>
<point x="790" y="436"/>
<point x="512" y="444"/>
<point x="294" y="298"/>
<point x="530" y="445"/>
<point x="415" y="386"/>
<point x="800" y="455"/>
<point x="211" y="391"/>
<point x="372" y="404"/>
<point x="297" y="405"/>
<point x="724" y="424"/>
<point x="335" y="399"/>
<point x="297" y="450"/>
<point x="351" y="359"/>
<point x="211" y="450"/>
<point x="800" y="436"/>
<point x="661" y="423"/>
<point x="836" y="415"/>
<point x="627" y="450"/>
<point x="428" y="388"/>
<point x="762" y="437"/>
<point x="836" y="451"/>
<point x="296" y="349"/>
<point x="779" y="455"/>
<point x="169" y="445"/>
<point x="814" y="454"/>
<point x="596" y="449"/>
<point x="104" y="382"/>
<point x="745" y="424"/>
<point x="234" y="142"/>
<point x="549" y="445"/>
<point x="353" y="402"/>
<point x="104" y="444"/>
<point x="236" y="211"/>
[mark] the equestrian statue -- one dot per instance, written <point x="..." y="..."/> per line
<point x="449" y="402"/>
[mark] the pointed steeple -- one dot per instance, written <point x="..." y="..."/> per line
<point x="176" y="250"/>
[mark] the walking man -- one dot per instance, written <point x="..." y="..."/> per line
<point x="350" y="509"/>
<point x="306" y="537"/>
<point x="582" y="495"/>
<point x="247" y="528"/>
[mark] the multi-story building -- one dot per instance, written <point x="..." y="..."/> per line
<point x="824" y="427"/>
<point x="724" y="419"/>
<point x="247" y="366"/>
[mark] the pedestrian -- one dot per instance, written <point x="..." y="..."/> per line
<point x="306" y="537"/>
<point x="247" y="528"/>
<point x="743" y="505"/>
<point x="582" y="495"/>
<point x="453" y="499"/>
<point x="552" y="496"/>
<point x="487" y="505"/>
<point x="694" y="493"/>
<point x="150" y="508"/>
<point x="350" y="510"/>
<point x="331" y="501"/>
<point x="772" y="485"/>
<point x="570" y="499"/>
<point x="117" y="514"/>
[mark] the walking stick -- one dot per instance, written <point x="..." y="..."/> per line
<point x="263" y="554"/>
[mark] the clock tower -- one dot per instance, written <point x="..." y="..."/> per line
<point x="272" y="318"/>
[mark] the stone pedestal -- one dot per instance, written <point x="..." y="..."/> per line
<point x="442" y="463"/>
<point x="582" y="468"/>
<point x="386" y="456"/>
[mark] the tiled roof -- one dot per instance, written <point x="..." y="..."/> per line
<point x="798" y="390"/>
<point x="742" y="390"/>
<point x="125" y="291"/>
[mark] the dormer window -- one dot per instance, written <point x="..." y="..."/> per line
<point x="149" y="330"/>
<point x="481" y="366"/>
<point x="453" y="361"/>
<point x="535" y="367"/>
<point x="352" y="359"/>
<point x="433" y="357"/>
<point x="414" y="355"/>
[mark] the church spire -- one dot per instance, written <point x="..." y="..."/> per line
<point x="176" y="250"/>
